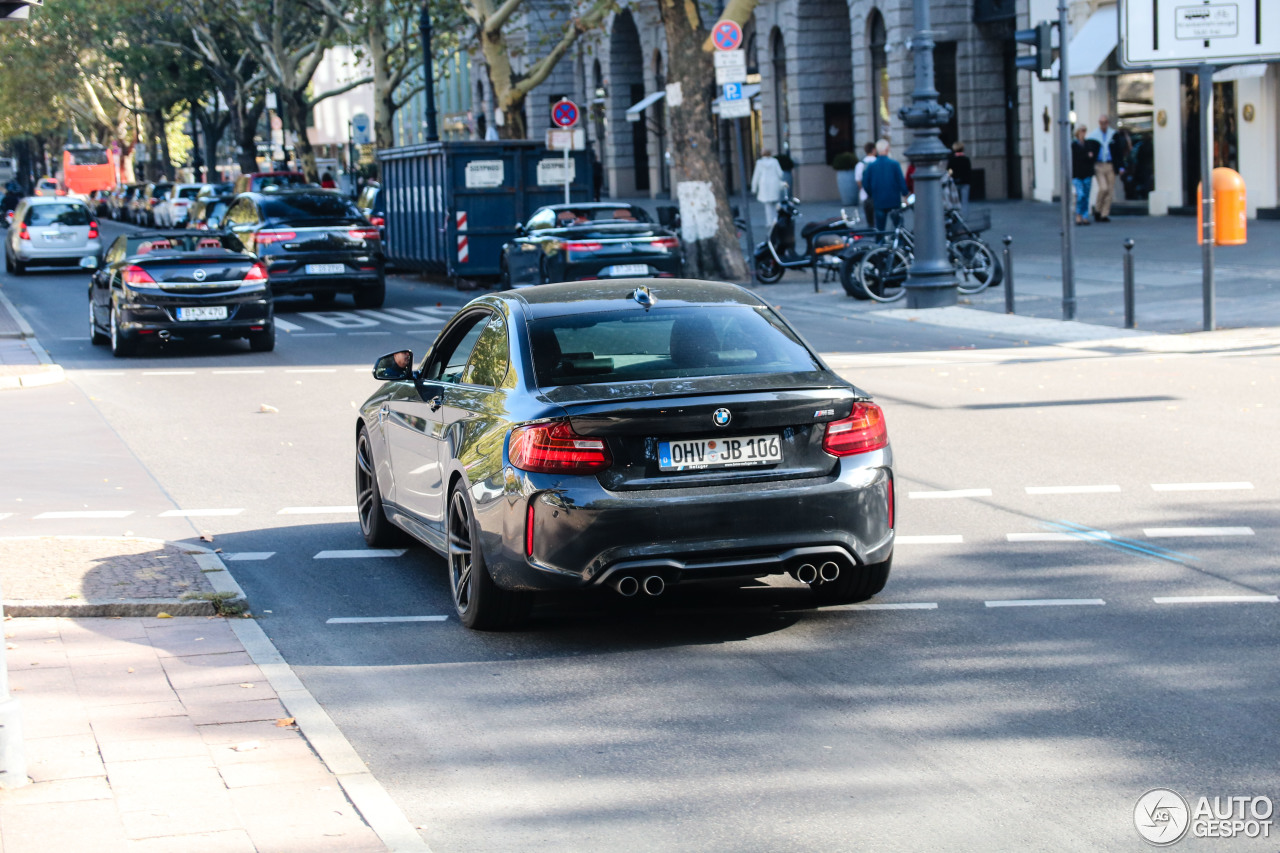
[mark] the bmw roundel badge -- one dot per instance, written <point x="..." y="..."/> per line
<point x="721" y="417"/>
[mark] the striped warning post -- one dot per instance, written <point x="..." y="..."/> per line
<point x="464" y="254"/>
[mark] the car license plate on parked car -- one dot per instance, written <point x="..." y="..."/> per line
<point x="736" y="452"/>
<point x="627" y="269"/>
<point x="203" y="312"/>
<point x="326" y="269"/>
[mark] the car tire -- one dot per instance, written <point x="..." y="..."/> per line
<point x="123" y="344"/>
<point x="96" y="337"/>
<point x="19" y="268"/>
<point x="372" y="297"/>
<point x="264" y="341"/>
<point x="480" y="603"/>
<point x="377" y="529"/>
<point x="768" y="270"/>
<point x="853" y="585"/>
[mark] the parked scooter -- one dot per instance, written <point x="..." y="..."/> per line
<point x="823" y="243"/>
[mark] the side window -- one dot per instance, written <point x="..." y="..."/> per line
<point x="448" y="362"/>
<point x="489" y="358"/>
<point x="117" y="250"/>
<point x="541" y="219"/>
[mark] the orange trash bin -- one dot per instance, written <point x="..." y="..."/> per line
<point x="1230" y="215"/>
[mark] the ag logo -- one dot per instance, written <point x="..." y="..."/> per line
<point x="721" y="417"/>
<point x="199" y="275"/>
<point x="1161" y="817"/>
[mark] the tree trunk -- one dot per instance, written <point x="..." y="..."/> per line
<point x="710" y="239"/>
<point x="514" y="125"/>
<point x="244" y="130"/>
<point x="384" y="101"/>
<point x="299" y="112"/>
<point x="155" y="130"/>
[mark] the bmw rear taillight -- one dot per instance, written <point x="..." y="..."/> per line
<point x="264" y="238"/>
<point x="377" y="221"/>
<point x="134" y="274"/>
<point x="93" y="230"/>
<point x="363" y="233"/>
<point x="554" y="448"/>
<point x="664" y="243"/>
<point x="23" y="233"/>
<point x="861" y="432"/>
<point x="257" y="272"/>
<point x="579" y="247"/>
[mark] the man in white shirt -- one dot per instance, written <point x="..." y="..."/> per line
<point x="868" y="211"/>
<point x="1104" y="167"/>
<point x="766" y="184"/>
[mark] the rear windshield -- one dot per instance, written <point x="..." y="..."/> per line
<point x="621" y="213"/>
<point x="264" y="181"/>
<point x="664" y="343"/>
<point x="197" y="241"/>
<point x="311" y="206"/>
<point x="188" y="192"/>
<point x="48" y="184"/>
<point x="58" y="214"/>
<point x="88" y="156"/>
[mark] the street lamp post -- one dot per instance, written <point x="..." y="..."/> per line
<point x="424" y="29"/>
<point x="931" y="282"/>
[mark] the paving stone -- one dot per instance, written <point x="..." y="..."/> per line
<point x="236" y="712"/>
<point x="58" y="791"/>
<point x="124" y="689"/>
<point x="227" y="693"/>
<point x="50" y="568"/>
<point x="122" y="728"/>
<point x="61" y="826"/>
<point x="63" y="757"/>
<point x="236" y="670"/>
<point x="287" y="770"/>
<point x="188" y="746"/>
<point x="221" y="734"/>
<point x="229" y="841"/>
<point x="212" y="813"/>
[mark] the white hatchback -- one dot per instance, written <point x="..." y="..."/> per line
<point x="172" y="210"/>
<point x="50" y="231"/>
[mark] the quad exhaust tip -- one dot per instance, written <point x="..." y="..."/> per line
<point x="807" y="573"/>
<point x="829" y="571"/>
<point x="654" y="585"/>
<point x="627" y="586"/>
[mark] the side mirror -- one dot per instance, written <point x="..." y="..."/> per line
<point x="394" y="367"/>
<point x="89" y="263"/>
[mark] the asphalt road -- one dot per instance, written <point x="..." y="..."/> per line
<point x="1022" y="680"/>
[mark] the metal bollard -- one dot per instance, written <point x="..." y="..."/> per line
<point x="1008" y="275"/>
<point x="1129" y="321"/>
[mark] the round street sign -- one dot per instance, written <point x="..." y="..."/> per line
<point x="727" y="35"/>
<point x="564" y="113"/>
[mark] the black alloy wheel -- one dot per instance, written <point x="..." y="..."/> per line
<point x="123" y="344"/>
<point x="853" y="585"/>
<point x="377" y="529"/>
<point x="480" y="603"/>
<point x="96" y="337"/>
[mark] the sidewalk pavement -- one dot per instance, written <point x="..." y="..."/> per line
<point x="156" y="729"/>
<point x="23" y="362"/>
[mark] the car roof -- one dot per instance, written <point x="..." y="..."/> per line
<point x="589" y="297"/>
<point x="589" y="205"/>
<point x="285" y="192"/>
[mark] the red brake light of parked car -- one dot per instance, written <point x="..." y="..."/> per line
<point x="257" y="272"/>
<point x="370" y="233"/>
<point x="377" y="221"/>
<point x="134" y="274"/>
<point x="93" y="229"/>
<point x="861" y="432"/>
<point x="23" y="233"/>
<point x="581" y="248"/>
<point x="265" y="237"/>
<point x="666" y="243"/>
<point x="555" y="448"/>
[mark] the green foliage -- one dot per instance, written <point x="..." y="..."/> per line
<point x="845" y="161"/>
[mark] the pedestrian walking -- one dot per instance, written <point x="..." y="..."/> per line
<point x="1108" y="156"/>
<point x="869" y="157"/>
<point x="1082" y="164"/>
<point x="885" y="184"/>
<point x="766" y="184"/>
<point x="327" y="182"/>
<point x="961" y="170"/>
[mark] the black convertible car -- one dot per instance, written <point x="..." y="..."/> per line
<point x="612" y="434"/>
<point x="579" y="242"/>
<point x="178" y="284"/>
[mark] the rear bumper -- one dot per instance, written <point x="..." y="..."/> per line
<point x="352" y="281"/>
<point x="242" y="318"/>
<point x="584" y="535"/>
<point x="667" y="266"/>
<point x="60" y="255"/>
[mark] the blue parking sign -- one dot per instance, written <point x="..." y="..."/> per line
<point x="733" y="91"/>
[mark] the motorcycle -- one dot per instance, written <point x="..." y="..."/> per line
<point x="823" y="243"/>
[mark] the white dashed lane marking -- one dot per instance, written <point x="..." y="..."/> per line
<point x="87" y="513"/>
<point x="197" y="513"/>
<point x="1217" y="599"/>
<point x="954" y="493"/>
<point x="1071" y="490"/>
<point x="312" y="370"/>
<point x="168" y="373"/>
<point x="941" y="539"/>
<point x="1045" y="602"/>
<point x="370" y="620"/>
<point x="235" y="372"/>
<point x="248" y="556"/>
<point x="1176" y="532"/>
<point x="1200" y="487"/>
<point x="906" y="605"/>
<point x="360" y="554"/>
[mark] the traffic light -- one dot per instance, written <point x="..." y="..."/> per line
<point x="17" y="10"/>
<point x="1040" y="60"/>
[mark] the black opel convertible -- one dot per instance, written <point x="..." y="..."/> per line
<point x="624" y="435"/>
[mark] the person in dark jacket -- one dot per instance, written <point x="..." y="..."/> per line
<point x="12" y="195"/>
<point x="884" y="183"/>
<point x="1082" y="162"/>
<point x="961" y="173"/>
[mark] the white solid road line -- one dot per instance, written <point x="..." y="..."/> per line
<point x="1172" y="532"/>
<point x="312" y="370"/>
<point x="246" y="556"/>
<point x="1044" y="602"/>
<point x="316" y="510"/>
<point x="1082" y="536"/>
<point x="234" y="372"/>
<point x="943" y="539"/>
<point x="168" y="373"/>
<point x="1199" y="487"/>
<point x="370" y="620"/>
<point x="912" y="605"/>
<point x="1070" y="490"/>
<point x="1217" y="599"/>
<point x="954" y="493"/>
<point x="286" y="326"/>
<point x="88" y="513"/>
<point x="359" y="554"/>
<point x="196" y="513"/>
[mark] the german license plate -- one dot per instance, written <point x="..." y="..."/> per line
<point x="326" y="269"/>
<point x="629" y="269"/>
<point x="737" y="452"/>
<point x="203" y="312"/>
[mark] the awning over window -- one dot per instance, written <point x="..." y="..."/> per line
<point x="645" y="102"/>
<point x="1093" y="43"/>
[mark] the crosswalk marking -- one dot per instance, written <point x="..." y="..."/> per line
<point x="1173" y="532"/>
<point x="360" y="553"/>
<point x="198" y="513"/>
<point x="1200" y="487"/>
<point x="366" y="620"/>
<point x="286" y="326"/>
<point x="87" y="513"/>
<point x="1217" y="599"/>
<point x="1070" y="490"/>
<point x="1044" y="602"/>
<point x="247" y="556"/>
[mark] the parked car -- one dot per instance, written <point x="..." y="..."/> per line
<point x="255" y="182"/>
<point x="178" y="284"/>
<point x="48" y="186"/>
<point x="121" y="200"/>
<point x="50" y="231"/>
<point x="614" y="435"/>
<point x="223" y="188"/>
<point x="150" y="199"/>
<point x="207" y="211"/>
<point x="373" y="204"/>
<point x="314" y="241"/>
<point x="171" y="211"/>
<point x="576" y="242"/>
<point x="99" y="203"/>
